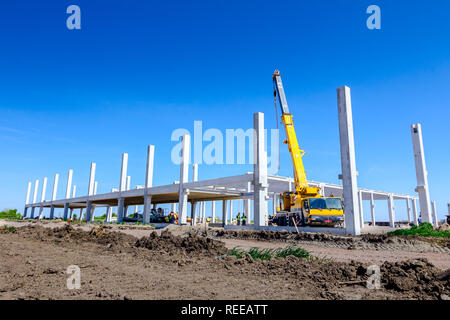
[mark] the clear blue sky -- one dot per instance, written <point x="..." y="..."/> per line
<point x="137" y="70"/>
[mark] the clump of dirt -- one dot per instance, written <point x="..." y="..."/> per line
<point x="417" y="277"/>
<point x="192" y="244"/>
<point x="443" y="227"/>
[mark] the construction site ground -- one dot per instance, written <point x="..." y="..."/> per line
<point x="136" y="262"/>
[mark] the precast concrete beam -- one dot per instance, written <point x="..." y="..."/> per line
<point x="348" y="162"/>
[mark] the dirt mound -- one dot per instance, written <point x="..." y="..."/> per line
<point x="443" y="227"/>
<point x="192" y="244"/>
<point x="417" y="277"/>
<point x="366" y="241"/>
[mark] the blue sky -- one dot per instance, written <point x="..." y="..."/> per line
<point x="137" y="70"/>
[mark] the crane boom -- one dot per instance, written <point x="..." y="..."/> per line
<point x="301" y="183"/>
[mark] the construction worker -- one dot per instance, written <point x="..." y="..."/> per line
<point x="244" y="218"/>
<point x="238" y="219"/>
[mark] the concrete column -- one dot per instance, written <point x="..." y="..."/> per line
<point x="213" y="212"/>
<point x="68" y="189"/>
<point x="231" y="212"/>
<point x="184" y="177"/>
<point x="55" y="189"/>
<point x="108" y="214"/>
<point x="195" y="172"/>
<point x="408" y="210"/>
<point x="348" y="163"/>
<point x="193" y="213"/>
<point x="224" y="212"/>
<point x="372" y="209"/>
<point x="260" y="182"/>
<point x="91" y="187"/>
<point x="128" y="182"/>
<point x="44" y="189"/>
<point x="204" y="212"/>
<point x="74" y="191"/>
<point x="421" y="173"/>
<point x="361" y="211"/>
<point x="36" y="186"/>
<point x="414" y="207"/>
<point x="274" y="204"/>
<point x="391" y="209"/>
<point x="173" y="207"/>
<point x="435" y="218"/>
<point x="148" y="183"/>
<point x="247" y="204"/>
<point x="81" y="214"/>
<point x="122" y="187"/>
<point x="27" y="200"/>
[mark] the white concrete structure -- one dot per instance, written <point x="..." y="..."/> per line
<point x="91" y="186"/>
<point x="122" y="187"/>
<point x="148" y="182"/>
<point x="68" y="188"/>
<point x="372" y="209"/>
<point x="421" y="173"/>
<point x="36" y="186"/>
<point x="260" y="183"/>
<point x="361" y="209"/>
<point x="55" y="190"/>
<point x="435" y="218"/>
<point x="184" y="178"/>
<point x="44" y="189"/>
<point x="27" y="200"/>
<point x="213" y="212"/>
<point x="391" y="210"/>
<point x="256" y="186"/>
<point x="348" y="163"/>
<point x="415" y="215"/>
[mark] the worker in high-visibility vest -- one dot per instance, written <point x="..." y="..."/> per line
<point x="244" y="218"/>
<point x="238" y="219"/>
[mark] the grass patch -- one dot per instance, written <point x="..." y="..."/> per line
<point x="267" y="254"/>
<point x="425" y="229"/>
<point x="10" y="214"/>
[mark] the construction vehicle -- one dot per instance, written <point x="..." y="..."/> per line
<point x="305" y="205"/>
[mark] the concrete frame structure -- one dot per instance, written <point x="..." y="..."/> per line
<point x="256" y="186"/>
<point x="435" y="218"/>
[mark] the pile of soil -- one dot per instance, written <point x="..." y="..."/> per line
<point x="366" y="241"/>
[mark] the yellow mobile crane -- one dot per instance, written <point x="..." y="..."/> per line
<point x="305" y="205"/>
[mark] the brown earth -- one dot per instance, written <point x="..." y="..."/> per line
<point x="161" y="265"/>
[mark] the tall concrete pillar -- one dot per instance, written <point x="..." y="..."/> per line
<point x="274" y="204"/>
<point x="108" y="214"/>
<point x="204" y="212"/>
<point x="408" y="210"/>
<point x="435" y="218"/>
<point x="193" y="213"/>
<point x="74" y="191"/>
<point x="231" y="212"/>
<point x="224" y="212"/>
<point x="260" y="183"/>
<point x="414" y="207"/>
<point x="68" y="188"/>
<point x="27" y="200"/>
<point x="184" y="178"/>
<point x="348" y="163"/>
<point x="361" y="209"/>
<point x="247" y="204"/>
<point x="122" y="187"/>
<point x="391" y="209"/>
<point x="372" y="209"/>
<point x="421" y="173"/>
<point x="55" y="189"/>
<point x="44" y="189"/>
<point x="91" y="187"/>
<point x="36" y="186"/>
<point x="213" y="212"/>
<point x="148" y="183"/>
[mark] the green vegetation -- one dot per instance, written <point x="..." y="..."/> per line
<point x="424" y="229"/>
<point x="10" y="214"/>
<point x="267" y="254"/>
